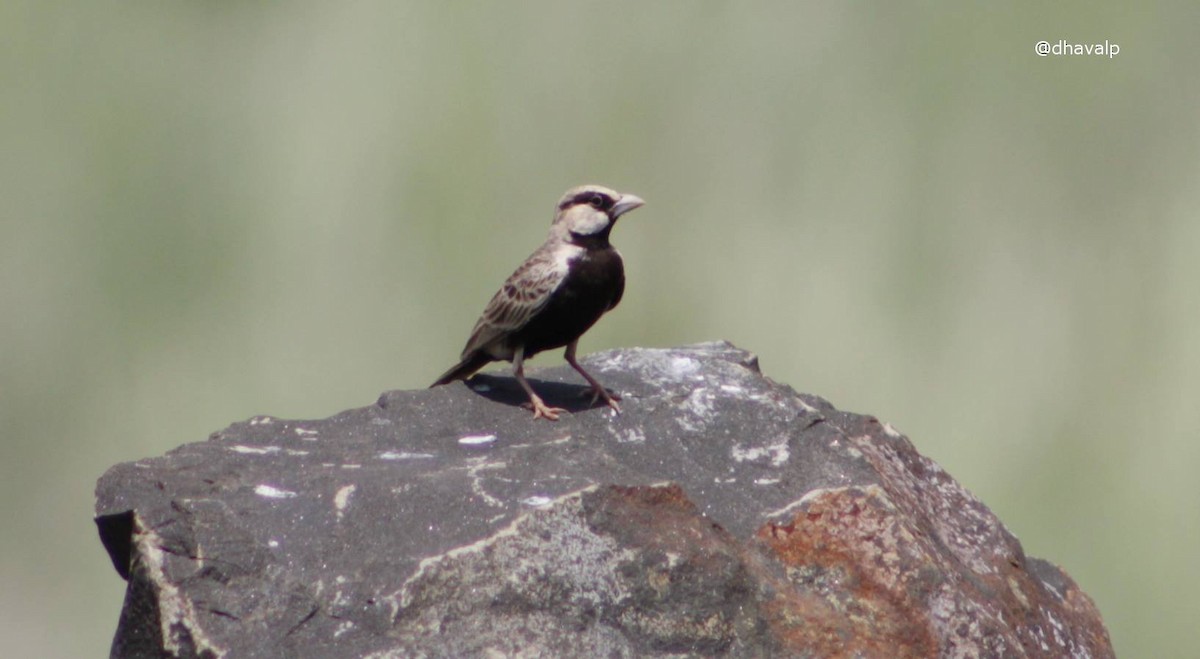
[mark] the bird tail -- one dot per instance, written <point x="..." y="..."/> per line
<point x="465" y="368"/>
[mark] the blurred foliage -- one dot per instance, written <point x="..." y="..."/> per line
<point x="214" y="210"/>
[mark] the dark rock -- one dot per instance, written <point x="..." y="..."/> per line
<point x="722" y="514"/>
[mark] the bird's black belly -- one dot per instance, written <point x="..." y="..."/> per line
<point x="593" y="285"/>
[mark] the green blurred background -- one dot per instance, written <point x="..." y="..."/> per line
<point x="213" y="210"/>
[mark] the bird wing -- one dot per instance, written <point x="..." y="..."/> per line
<point x="522" y="296"/>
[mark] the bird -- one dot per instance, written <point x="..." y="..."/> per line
<point x="556" y="295"/>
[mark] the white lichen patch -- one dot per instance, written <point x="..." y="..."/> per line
<point x="537" y="501"/>
<point x="628" y="435"/>
<point x="700" y="403"/>
<point x="956" y="619"/>
<point x="891" y="431"/>
<point x="660" y="368"/>
<point x="272" y="492"/>
<point x="477" y="482"/>
<point x="261" y="420"/>
<point x="698" y="409"/>
<point x="781" y="512"/>
<point x="254" y="450"/>
<point x="476" y="440"/>
<point x="805" y="406"/>
<point x="404" y="455"/>
<point x="265" y="450"/>
<point x="554" y="442"/>
<point x="680" y="368"/>
<point x="1015" y="587"/>
<point x="305" y="433"/>
<point x="342" y="499"/>
<point x="766" y="481"/>
<point x="818" y="493"/>
<point x="775" y="454"/>
<point x="962" y="523"/>
<point x="1060" y="630"/>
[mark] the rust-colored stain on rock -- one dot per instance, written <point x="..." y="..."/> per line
<point x="887" y="583"/>
<point x="841" y="555"/>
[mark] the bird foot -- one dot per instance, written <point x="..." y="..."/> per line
<point x="609" y="397"/>
<point x="541" y="410"/>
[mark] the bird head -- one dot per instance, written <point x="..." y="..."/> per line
<point x="589" y="211"/>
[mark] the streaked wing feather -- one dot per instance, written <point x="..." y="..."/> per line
<point x="523" y="294"/>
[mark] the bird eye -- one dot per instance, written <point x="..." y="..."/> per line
<point x="597" y="201"/>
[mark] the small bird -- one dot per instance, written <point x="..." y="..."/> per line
<point x="559" y="292"/>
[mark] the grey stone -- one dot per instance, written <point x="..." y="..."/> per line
<point x="721" y="514"/>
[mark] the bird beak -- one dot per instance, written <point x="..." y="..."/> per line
<point x="627" y="203"/>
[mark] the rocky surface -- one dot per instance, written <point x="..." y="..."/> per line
<point x="722" y="514"/>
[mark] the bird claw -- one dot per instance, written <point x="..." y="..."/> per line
<point x="543" y="411"/>
<point x="609" y="397"/>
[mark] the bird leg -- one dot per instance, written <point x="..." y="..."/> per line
<point x="598" y="391"/>
<point x="540" y="409"/>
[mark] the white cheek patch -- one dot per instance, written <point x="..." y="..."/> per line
<point x="588" y="222"/>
